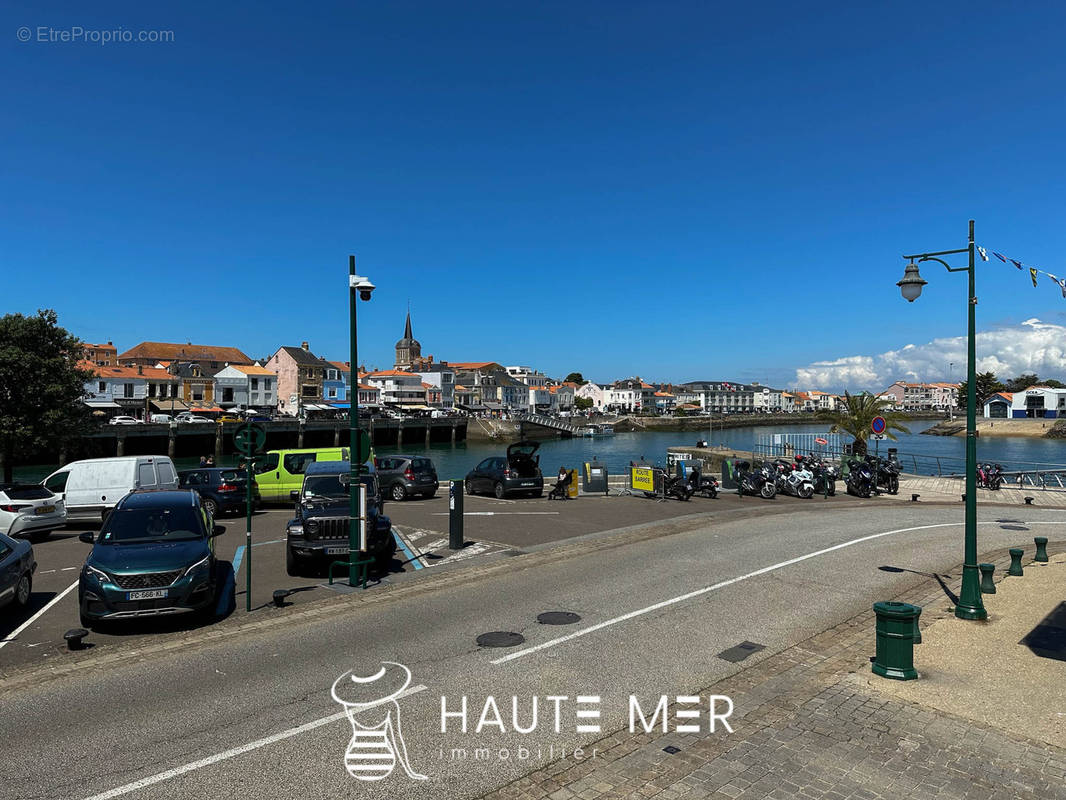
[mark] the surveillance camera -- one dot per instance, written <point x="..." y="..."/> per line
<point x="364" y="286"/>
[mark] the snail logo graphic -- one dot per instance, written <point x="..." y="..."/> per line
<point x="377" y="739"/>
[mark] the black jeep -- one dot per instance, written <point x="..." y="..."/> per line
<point x="318" y="534"/>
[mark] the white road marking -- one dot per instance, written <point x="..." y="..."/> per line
<point x="67" y="569"/>
<point x="44" y="571"/>
<point x="235" y="751"/>
<point x="706" y="589"/>
<point x="14" y="634"/>
<point x="499" y="513"/>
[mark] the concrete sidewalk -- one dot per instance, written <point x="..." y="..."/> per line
<point x="950" y="490"/>
<point x="813" y="722"/>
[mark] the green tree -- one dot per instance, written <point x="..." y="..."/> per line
<point x="1021" y="383"/>
<point x="987" y="385"/>
<point x="582" y="403"/>
<point x="575" y="377"/>
<point x="41" y="387"/>
<point x="855" y="417"/>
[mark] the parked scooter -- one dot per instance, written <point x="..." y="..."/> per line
<point x="706" y="485"/>
<point x="675" y="486"/>
<point x="757" y="482"/>
<point x="860" y="480"/>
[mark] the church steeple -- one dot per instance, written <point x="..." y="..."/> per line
<point x="408" y="350"/>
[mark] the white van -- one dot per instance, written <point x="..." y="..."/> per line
<point x="91" y="488"/>
<point x="162" y="418"/>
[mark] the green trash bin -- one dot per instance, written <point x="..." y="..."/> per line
<point x="896" y="623"/>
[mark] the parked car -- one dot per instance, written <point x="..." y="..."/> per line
<point x="17" y="566"/>
<point x="123" y="420"/>
<point x="89" y="489"/>
<point x="221" y="490"/>
<point x="163" y="419"/>
<point x="319" y="533"/>
<point x="152" y="557"/>
<point x="517" y="473"/>
<point x="186" y="417"/>
<point x="31" y="510"/>
<point x="401" y="477"/>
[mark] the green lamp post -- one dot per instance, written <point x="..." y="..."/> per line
<point x="359" y="288"/>
<point x="969" y="605"/>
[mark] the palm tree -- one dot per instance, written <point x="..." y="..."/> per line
<point x="856" y="415"/>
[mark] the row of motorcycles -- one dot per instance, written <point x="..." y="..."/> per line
<point x="872" y="474"/>
<point x="989" y="476"/>
<point x="683" y="488"/>
<point x="804" y="477"/>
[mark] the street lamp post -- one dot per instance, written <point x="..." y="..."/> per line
<point x="969" y="605"/>
<point x="358" y="288"/>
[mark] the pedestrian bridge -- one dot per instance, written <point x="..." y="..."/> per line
<point x="551" y="422"/>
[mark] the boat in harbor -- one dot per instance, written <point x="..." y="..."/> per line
<point x="597" y="430"/>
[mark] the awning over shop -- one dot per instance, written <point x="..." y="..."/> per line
<point x="101" y="404"/>
<point x="414" y="407"/>
<point x="494" y="406"/>
<point x="165" y="405"/>
<point x="207" y="410"/>
<point x="343" y="406"/>
<point x="317" y="407"/>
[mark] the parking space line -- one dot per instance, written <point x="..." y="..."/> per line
<point x="237" y="751"/>
<point x="230" y="589"/>
<point x="416" y="561"/>
<point x="14" y="634"/>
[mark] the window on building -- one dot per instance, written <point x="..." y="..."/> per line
<point x="151" y="390"/>
<point x="255" y="383"/>
<point x="127" y="390"/>
<point x="266" y="384"/>
<point x="308" y="390"/>
<point x="332" y="394"/>
<point x="331" y="374"/>
<point x="227" y="394"/>
<point x="198" y="393"/>
<point x="101" y="387"/>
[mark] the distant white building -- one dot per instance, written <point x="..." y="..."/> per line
<point x="1036" y="402"/>
<point x="594" y="392"/>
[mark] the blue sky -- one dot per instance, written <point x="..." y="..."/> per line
<point x="677" y="190"/>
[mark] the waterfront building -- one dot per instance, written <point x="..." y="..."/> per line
<point x="209" y="357"/>
<point x="1035" y="402"/>
<point x="399" y="388"/>
<point x="246" y="386"/>
<point x="129" y="390"/>
<point x="441" y="377"/>
<point x="594" y="392"/>
<point x="724" y="397"/>
<point x="337" y="383"/>
<point x="922" y="396"/>
<point x="300" y="378"/>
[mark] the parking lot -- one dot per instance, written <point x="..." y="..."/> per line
<point x="492" y="527"/>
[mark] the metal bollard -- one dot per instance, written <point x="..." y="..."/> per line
<point x="1041" y="549"/>
<point x="914" y="498"/>
<point x="987" y="585"/>
<point x="896" y="626"/>
<point x="455" y="515"/>
<point x="1015" y="561"/>
<point x="1029" y="500"/>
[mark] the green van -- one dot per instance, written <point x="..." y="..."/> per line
<point x="281" y="472"/>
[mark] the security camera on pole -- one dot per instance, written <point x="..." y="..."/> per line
<point x="359" y="443"/>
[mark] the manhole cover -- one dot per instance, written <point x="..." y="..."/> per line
<point x="671" y="750"/>
<point x="500" y="639"/>
<point x="741" y="651"/>
<point x="558" y="618"/>
<point x="1014" y="527"/>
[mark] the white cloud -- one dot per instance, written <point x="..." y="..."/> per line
<point x="1032" y="346"/>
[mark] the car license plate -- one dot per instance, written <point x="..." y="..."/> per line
<point x="336" y="551"/>
<point x="147" y="594"/>
<point x="45" y="510"/>
<point x="528" y="483"/>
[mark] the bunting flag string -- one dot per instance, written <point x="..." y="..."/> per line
<point x="1033" y="271"/>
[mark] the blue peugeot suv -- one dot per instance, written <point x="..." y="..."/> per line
<point x="153" y="556"/>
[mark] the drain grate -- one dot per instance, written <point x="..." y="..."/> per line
<point x="558" y="618"/>
<point x="500" y="639"/>
<point x="741" y="651"/>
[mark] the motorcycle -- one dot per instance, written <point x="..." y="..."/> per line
<point x="675" y="486"/>
<point x="760" y="481"/>
<point x="706" y="485"/>
<point x="825" y="476"/>
<point x="860" y="480"/>
<point x="799" y="482"/>
<point x="887" y="471"/>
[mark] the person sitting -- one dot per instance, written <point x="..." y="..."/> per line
<point x="560" y="490"/>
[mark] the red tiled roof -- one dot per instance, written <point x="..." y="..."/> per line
<point x="186" y="352"/>
<point x="392" y="373"/>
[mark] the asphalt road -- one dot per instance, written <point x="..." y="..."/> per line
<point x="249" y="715"/>
<point x="492" y="526"/>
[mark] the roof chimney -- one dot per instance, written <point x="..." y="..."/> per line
<point x="305" y="346"/>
